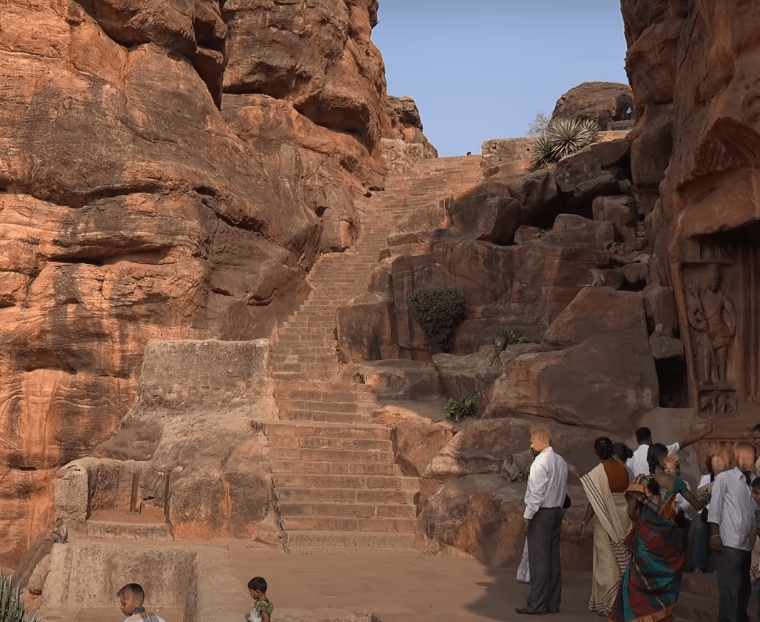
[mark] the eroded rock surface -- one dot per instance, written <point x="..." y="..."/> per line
<point x="169" y="170"/>
<point x="693" y="70"/>
<point x="603" y="102"/>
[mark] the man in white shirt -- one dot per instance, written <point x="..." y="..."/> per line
<point x="731" y="518"/>
<point x="638" y="462"/>
<point x="544" y="497"/>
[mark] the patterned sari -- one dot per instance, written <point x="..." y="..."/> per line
<point x="652" y="582"/>
<point x="611" y="526"/>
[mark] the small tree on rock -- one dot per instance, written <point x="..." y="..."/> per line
<point x="539" y="125"/>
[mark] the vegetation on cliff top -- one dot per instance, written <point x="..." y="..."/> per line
<point x="562" y="138"/>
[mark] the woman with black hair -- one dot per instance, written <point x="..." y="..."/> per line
<point x="605" y="487"/>
<point x="652" y="581"/>
<point x="622" y="453"/>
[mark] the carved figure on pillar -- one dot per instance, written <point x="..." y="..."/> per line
<point x="712" y="315"/>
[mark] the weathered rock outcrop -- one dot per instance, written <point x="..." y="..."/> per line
<point x="694" y="149"/>
<point x="190" y="441"/>
<point x="603" y="102"/>
<point x="169" y="170"/>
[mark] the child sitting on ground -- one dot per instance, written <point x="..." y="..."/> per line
<point x="262" y="607"/>
<point x="131" y="598"/>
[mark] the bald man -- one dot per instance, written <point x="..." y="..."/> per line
<point x="732" y="517"/>
<point x="544" y="497"/>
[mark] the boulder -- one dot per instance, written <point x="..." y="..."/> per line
<point x="526" y="234"/>
<point x="463" y="375"/>
<point x="604" y="382"/>
<point x="396" y="379"/>
<point x="485" y="217"/>
<point x="571" y="173"/>
<point x="606" y="277"/>
<point x="415" y="442"/>
<point x="608" y="153"/>
<point x="665" y="347"/>
<point x="602" y="102"/>
<point x="39" y="575"/>
<point x="481" y="446"/>
<point x="597" y="311"/>
<point x="603" y="184"/>
<point x="483" y="515"/>
<point x="621" y="211"/>
<point x="635" y="273"/>
<point x="537" y="193"/>
<point x="575" y="231"/>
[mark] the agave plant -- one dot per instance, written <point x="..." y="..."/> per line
<point x="11" y="606"/>
<point x="542" y="152"/>
<point x="562" y="138"/>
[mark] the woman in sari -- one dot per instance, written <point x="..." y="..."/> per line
<point x="605" y="488"/>
<point x="652" y="581"/>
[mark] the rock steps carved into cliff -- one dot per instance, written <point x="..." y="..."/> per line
<point x="336" y="480"/>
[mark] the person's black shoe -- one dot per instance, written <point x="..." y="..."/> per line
<point x="527" y="612"/>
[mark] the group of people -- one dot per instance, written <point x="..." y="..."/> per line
<point x="639" y="506"/>
<point x="132" y="598"/>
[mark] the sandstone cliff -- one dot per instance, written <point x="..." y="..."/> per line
<point x="693" y="69"/>
<point x="168" y="170"/>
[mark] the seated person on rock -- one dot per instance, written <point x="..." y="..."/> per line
<point x="131" y="598"/>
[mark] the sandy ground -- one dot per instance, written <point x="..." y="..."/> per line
<point x="395" y="586"/>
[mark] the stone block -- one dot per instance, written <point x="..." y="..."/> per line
<point x="597" y="311"/>
<point x="621" y="211"/>
<point x="486" y="217"/>
<point x="71" y="493"/>
<point x="197" y="374"/>
<point x="635" y="273"/>
<point x="415" y="442"/>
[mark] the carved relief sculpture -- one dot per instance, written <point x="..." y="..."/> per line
<point x="712" y="317"/>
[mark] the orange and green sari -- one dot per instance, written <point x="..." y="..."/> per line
<point x="652" y="581"/>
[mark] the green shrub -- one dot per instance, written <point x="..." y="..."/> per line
<point x="438" y="311"/>
<point x="11" y="606"/>
<point x="522" y="473"/>
<point x="459" y="410"/>
<point x="562" y="138"/>
<point x="512" y="338"/>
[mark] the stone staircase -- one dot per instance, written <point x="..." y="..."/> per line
<point x="337" y="484"/>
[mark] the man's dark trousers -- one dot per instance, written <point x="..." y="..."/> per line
<point x="544" y="561"/>
<point x="734" y="586"/>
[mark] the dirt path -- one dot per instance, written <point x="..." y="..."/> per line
<point x="393" y="585"/>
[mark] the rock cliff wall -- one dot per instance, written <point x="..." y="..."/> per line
<point x="693" y="67"/>
<point x="169" y="169"/>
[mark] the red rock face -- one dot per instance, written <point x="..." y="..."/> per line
<point x="693" y="68"/>
<point x="168" y="169"/>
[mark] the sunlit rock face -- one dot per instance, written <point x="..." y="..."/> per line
<point x="694" y="155"/>
<point x="169" y="169"/>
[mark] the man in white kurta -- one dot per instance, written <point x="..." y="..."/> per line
<point x="544" y="497"/>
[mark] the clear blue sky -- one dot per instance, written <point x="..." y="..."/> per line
<point x="481" y="69"/>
